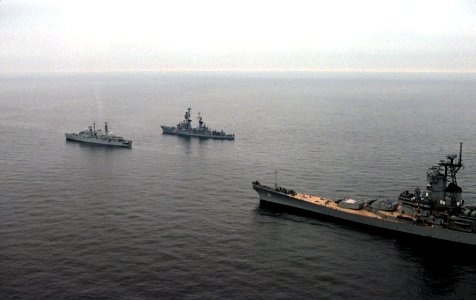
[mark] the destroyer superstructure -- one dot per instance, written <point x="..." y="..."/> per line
<point x="92" y="136"/>
<point x="438" y="212"/>
<point x="184" y="128"/>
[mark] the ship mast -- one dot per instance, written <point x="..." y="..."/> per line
<point x="276" y="179"/>
<point x="200" y="121"/>
<point x="451" y="167"/>
<point x="187" y="117"/>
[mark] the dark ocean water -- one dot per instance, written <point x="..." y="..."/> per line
<point x="176" y="218"/>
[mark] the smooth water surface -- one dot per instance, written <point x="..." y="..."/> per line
<point x="177" y="217"/>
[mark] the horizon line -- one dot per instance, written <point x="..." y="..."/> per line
<point x="224" y="70"/>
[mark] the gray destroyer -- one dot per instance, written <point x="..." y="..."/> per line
<point x="437" y="213"/>
<point x="184" y="128"/>
<point x="98" y="137"/>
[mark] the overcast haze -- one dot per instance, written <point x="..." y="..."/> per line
<point x="95" y="36"/>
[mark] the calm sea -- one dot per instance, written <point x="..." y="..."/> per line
<point x="176" y="218"/>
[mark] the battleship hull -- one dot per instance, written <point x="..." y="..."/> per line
<point x="305" y="203"/>
<point x="187" y="133"/>
<point x="97" y="141"/>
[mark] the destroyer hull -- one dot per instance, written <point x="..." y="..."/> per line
<point x="185" y="133"/>
<point x="304" y="203"/>
<point x="96" y="141"/>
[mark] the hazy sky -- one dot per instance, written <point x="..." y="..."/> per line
<point x="400" y="35"/>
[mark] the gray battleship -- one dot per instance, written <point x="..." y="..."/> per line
<point x="98" y="137"/>
<point x="185" y="128"/>
<point x="438" y="212"/>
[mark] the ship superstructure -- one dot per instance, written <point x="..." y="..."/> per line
<point x="184" y="128"/>
<point x="438" y="213"/>
<point x="92" y="136"/>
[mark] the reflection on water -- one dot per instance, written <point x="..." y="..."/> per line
<point x="186" y="142"/>
<point x="440" y="268"/>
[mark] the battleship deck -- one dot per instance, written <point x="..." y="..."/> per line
<point x="386" y="220"/>
<point x="333" y="205"/>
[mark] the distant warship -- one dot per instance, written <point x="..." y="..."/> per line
<point x="92" y="136"/>
<point x="185" y="128"/>
<point x="438" y="212"/>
